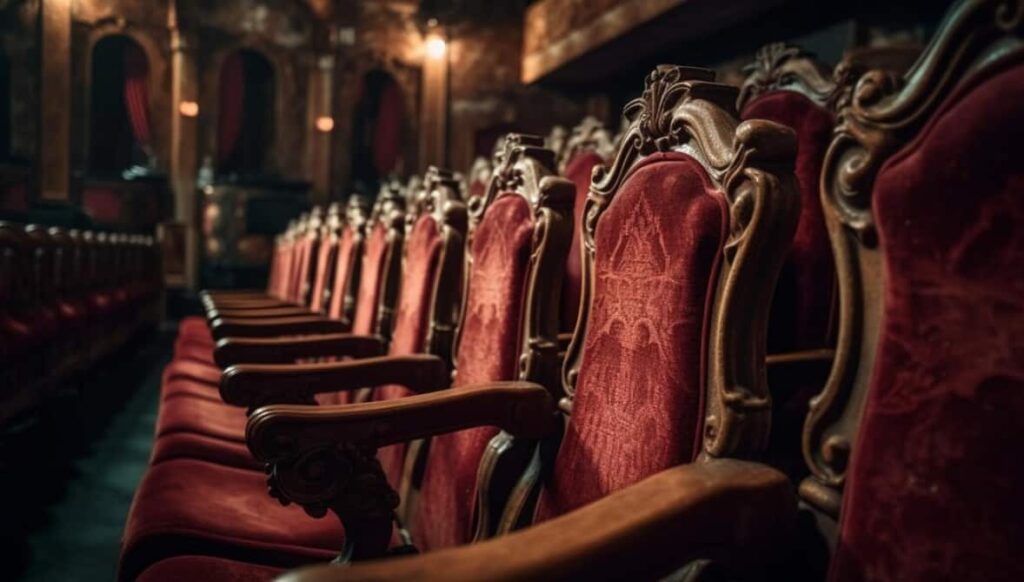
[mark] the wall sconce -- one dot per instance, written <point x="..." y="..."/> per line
<point x="436" y="46"/>
<point x="188" y="108"/>
<point x="324" y="124"/>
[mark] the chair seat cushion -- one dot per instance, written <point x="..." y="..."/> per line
<point x="201" y="416"/>
<point x="185" y="445"/>
<point x="195" y="352"/>
<point x="191" y="389"/>
<point x="192" y="370"/>
<point x="187" y="507"/>
<point x="195" y="327"/>
<point x="206" y="568"/>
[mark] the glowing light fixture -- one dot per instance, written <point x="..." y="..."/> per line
<point x="436" y="47"/>
<point x="324" y="124"/>
<point x="188" y="108"/>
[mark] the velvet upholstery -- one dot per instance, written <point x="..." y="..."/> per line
<point x="801" y="308"/>
<point x="324" y="254"/>
<point x="423" y="251"/>
<point x="342" y="272"/>
<point x="488" y="351"/>
<point x="370" y="281"/>
<point x="638" y="407"/>
<point x="185" y="369"/>
<point x="933" y="490"/>
<point x="578" y="170"/>
<point x="192" y="507"/>
<point x="186" y="445"/>
<point x="181" y="568"/>
<point x="201" y="416"/>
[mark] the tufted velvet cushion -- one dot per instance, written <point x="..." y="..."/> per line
<point x="423" y="251"/>
<point x="578" y="170"/>
<point x="638" y="404"/>
<point x="192" y="507"/>
<point x="804" y="293"/>
<point x="198" y="568"/>
<point x="342" y="273"/>
<point x="488" y="351"/>
<point x="933" y="491"/>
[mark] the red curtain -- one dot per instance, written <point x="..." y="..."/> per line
<point x="136" y="94"/>
<point x="387" y="133"/>
<point x="232" y="104"/>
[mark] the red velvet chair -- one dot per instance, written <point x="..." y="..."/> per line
<point x="914" y="470"/>
<point x="165" y="520"/>
<point x="195" y="352"/>
<point x="788" y="86"/>
<point x="426" y="306"/>
<point x="665" y="379"/>
<point x="588" y="146"/>
<point x="191" y="401"/>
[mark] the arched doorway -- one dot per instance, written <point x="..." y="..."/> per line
<point x="245" y="132"/>
<point x="377" y="130"/>
<point x="120" y="135"/>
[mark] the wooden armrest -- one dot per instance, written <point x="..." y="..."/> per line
<point x="242" y="313"/>
<point x="232" y="351"/>
<point x="520" y="408"/>
<point x="245" y="305"/>
<point x="258" y="384"/>
<point x="307" y="325"/>
<point x="735" y="512"/>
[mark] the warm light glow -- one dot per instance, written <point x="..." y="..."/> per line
<point x="324" y="124"/>
<point x="188" y="108"/>
<point x="436" y="46"/>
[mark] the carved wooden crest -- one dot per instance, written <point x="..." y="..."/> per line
<point x="589" y="135"/>
<point x="881" y="113"/>
<point x="782" y="66"/>
<point x="682" y="109"/>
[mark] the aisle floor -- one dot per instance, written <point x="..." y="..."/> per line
<point x="74" y="531"/>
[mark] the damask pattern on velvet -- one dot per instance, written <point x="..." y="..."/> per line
<point x="933" y="492"/>
<point x="638" y="403"/>
<point x="488" y="351"/>
<point x="423" y="252"/>
<point x="578" y="170"/>
<point x="342" y="272"/>
<point x="323" y="258"/>
<point x="804" y="292"/>
<point x="365" y="319"/>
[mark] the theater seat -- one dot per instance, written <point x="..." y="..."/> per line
<point x="672" y="245"/>
<point x="193" y="507"/>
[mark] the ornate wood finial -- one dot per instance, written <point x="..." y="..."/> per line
<point x="781" y="66"/>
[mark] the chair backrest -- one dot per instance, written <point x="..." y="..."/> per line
<point x="327" y="249"/>
<point x="912" y="445"/>
<point x="430" y="293"/>
<point x="380" y="274"/>
<point x="346" y="271"/>
<point x="589" y="145"/>
<point x="787" y="85"/>
<point x="519" y="234"/>
<point x="684" y="236"/>
<point x="308" y="243"/>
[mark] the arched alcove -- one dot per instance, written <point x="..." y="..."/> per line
<point x="378" y="129"/>
<point x="120" y="132"/>
<point x="245" y="129"/>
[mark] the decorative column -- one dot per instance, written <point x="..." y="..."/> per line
<point x="55" y="98"/>
<point x="321" y="128"/>
<point x="185" y="111"/>
<point x="434" y="108"/>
